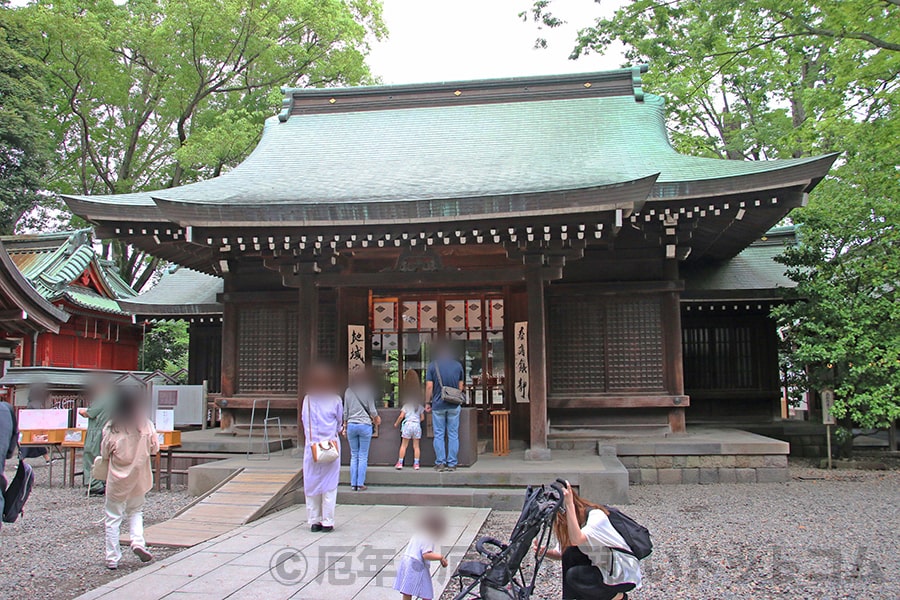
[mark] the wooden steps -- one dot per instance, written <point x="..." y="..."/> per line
<point x="251" y="493"/>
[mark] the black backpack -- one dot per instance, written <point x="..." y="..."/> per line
<point x="16" y="495"/>
<point x="636" y="535"/>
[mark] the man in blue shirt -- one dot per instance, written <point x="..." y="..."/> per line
<point x="445" y="417"/>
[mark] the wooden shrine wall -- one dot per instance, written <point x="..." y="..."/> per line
<point x="604" y="344"/>
<point x="205" y="355"/>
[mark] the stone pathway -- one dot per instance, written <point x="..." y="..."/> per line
<point x="277" y="558"/>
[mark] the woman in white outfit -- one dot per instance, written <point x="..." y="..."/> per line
<point x="322" y="416"/>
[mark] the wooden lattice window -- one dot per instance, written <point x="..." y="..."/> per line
<point x="576" y="331"/>
<point x="602" y="344"/>
<point x="327" y="331"/>
<point x="634" y="344"/>
<point x="267" y="360"/>
<point x="729" y="353"/>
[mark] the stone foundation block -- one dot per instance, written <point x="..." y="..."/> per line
<point x="679" y="462"/>
<point x="634" y="476"/>
<point x="709" y="475"/>
<point x="692" y="462"/>
<point x="647" y="462"/>
<point x="630" y="462"/>
<point x="649" y="477"/>
<point x="742" y="461"/>
<point x="745" y="475"/>
<point x="772" y="475"/>
<point x="729" y="461"/>
<point x="690" y="476"/>
<point x="669" y="476"/>
<point x="665" y="462"/>
<point x="776" y="460"/>
<point x="727" y="475"/>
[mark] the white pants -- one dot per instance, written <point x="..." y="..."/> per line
<point x="115" y="514"/>
<point x="320" y="508"/>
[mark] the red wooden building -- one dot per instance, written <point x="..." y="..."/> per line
<point x="65" y="270"/>
<point x="545" y="224"/>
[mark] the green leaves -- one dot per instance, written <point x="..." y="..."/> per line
<point x="165" y="347"/>
<point x="149" y="94"/>
<point x="132" y="83"/>
<point x="24" y="151"/>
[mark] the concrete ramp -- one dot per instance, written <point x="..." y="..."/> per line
<point x="247" y="491"/>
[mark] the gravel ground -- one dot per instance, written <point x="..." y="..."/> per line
<point x="55" y="551"/>
<point x="821" y="536"/>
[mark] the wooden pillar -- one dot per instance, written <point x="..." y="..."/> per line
<point x="229" y="349"/>
<point x="671" y="316"/>
<point x="537" y="358"/>
<point x="307" y="338"/>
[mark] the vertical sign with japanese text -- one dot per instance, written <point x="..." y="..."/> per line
<point x="827" y="396"/>
<point x="356" y="348"/>
<point x="520" y="365"/>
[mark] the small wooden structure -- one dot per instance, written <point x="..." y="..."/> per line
<point x="475" y="210"/>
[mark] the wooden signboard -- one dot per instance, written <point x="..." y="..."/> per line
<point x="356" y="348"/>
<point x="827" y="396"/>
<point x="520" y="362"/>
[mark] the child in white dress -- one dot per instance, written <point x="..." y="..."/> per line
<point x="410" y="419"/>
<point x="414" y="572"/>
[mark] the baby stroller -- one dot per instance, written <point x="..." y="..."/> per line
<point x="502" y="576"/>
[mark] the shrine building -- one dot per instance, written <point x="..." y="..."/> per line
<point x="589" y="275"/>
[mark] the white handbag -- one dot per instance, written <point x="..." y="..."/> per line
<point x="324" y="452"/>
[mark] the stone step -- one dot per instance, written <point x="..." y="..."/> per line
<point x="427" y="477"/>
<point x="580" y="432"/>
<point x="465" y="496"/>
<point x="233" y="444"/>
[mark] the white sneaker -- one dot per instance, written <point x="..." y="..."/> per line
<point x="112" y="565"/>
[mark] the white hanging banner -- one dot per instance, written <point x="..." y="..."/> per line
<point x="520" y="365"/>
<point x="356" y="348"/>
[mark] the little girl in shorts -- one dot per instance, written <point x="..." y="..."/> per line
<point x="411" y="414"/>
<point x="413" y="573"/>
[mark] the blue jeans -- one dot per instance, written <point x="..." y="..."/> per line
<point x="446" y="421"/>
<point x="360" y="436"/>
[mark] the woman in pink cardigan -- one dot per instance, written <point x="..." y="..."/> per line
<point x="129" y="439"/>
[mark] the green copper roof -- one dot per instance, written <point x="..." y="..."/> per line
<point x="53" y="262"/>
<point x="411" y="152"/>
<point x="754" y="272"/>
<point x="180" y="292"/>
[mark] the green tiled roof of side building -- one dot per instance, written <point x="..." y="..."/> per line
<point x="53" y="262"/>
<point x="753" y="272"/>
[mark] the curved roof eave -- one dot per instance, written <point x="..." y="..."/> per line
<point x="803" y="173"/>
<point x="18" y="291"/>
<point x="627" y="195"/>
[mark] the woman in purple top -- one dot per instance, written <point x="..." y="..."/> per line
<point x="322" y="416"/>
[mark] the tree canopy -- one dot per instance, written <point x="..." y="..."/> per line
<point x="757" y="79"/>
<point x="24" y="153"/>
<point x="149" y="94"/>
